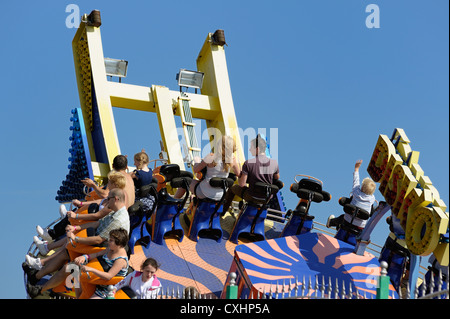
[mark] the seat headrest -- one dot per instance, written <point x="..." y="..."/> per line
<point x="326" y="196"/>
<point x="262" y="188"/>
<point x="278" y="183"/>
<point x="134" y="209"/>
<point x="186" y="174"/>
<point x="310" y="184"/>
<point x="218" y="182"/>
<point x="182" y="182"/>
<point x="359" y="212"/>
<point x="145" y="190"/>
<point x="306" y="187"/>
<point x="305" y="193"/>
<point x="169" y="171"/>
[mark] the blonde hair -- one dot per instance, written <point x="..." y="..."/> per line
<point x="142" y="159"/>
<point x="368" y="186"/>
<point x="117" y="179"/>
<point x="224" y="151"/>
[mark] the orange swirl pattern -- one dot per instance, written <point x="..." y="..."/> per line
<point x="320" y="256"/>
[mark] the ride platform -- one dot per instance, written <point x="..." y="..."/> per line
<point x="207" y="264"/>
<point x="203" y="264"/>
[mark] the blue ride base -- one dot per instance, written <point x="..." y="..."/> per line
<point x="261" y="265"/>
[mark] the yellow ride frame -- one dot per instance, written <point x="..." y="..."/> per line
<point x="214" y="104"/>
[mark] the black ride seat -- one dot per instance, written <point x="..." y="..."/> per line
<point x="206" y="217"/>
<point x="308" y="190"/>
<point x="251" y="220"/>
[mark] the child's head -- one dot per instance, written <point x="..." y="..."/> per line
<point x="141" y="160"/>
<point x="116" y="180"/>
<point x="368" y="186"/>
<point x="120" y="236"/>
<point x="149" y="268"/>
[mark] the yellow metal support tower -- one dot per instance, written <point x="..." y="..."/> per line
<point x="98" y="96"/>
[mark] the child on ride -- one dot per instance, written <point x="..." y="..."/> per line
<point x="142" y="176"/>
<point x="115" y="180"/>
<point x="362" y="197"/>
<point x="141" y="284"/>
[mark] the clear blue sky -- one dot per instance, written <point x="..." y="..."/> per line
<point x="311" y="69"/>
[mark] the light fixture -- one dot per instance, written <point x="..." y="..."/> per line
<point x="94" y="19"/>
<point x="115" y="67"/>
<point x="192" y="79"/>
<point x="218" y="37"/>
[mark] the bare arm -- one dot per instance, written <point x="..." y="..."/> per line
<point x="242" y="180"/>
<point x="199" y="165"/>
<point x="114" y="270"/>
<point x="356" y="183"/>
<point x="358" y="165"/>
<point x="103" y="193"/>
<point x="92" y="217"/>
<point x="92" y="240"/>
<point x="236" y="168"/>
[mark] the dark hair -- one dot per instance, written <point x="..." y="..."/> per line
<point x="259" y="142"/>
<point x="152" y="262"/>
<point x="120" y="236"/>
<point x="120" y="163"/>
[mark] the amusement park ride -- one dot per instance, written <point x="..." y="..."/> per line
<point x="287" y="249"/>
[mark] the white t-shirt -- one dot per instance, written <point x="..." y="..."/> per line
<point x="143" y="290"/>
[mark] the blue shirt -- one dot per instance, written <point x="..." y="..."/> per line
<point x="143" y="178"/>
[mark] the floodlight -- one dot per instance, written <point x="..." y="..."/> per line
<point x="115" y="67"/>
<point x="94" y="19"/>
<point x="218" y="37"/>
<point x="192" y="79"/>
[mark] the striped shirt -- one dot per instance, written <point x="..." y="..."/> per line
<point x="114" y="220"/>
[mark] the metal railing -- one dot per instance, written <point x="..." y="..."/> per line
<point x="317" y="287"/>
<point x="431" y="289"/>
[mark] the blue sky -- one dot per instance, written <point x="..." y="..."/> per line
<point x="311" y="69"/>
